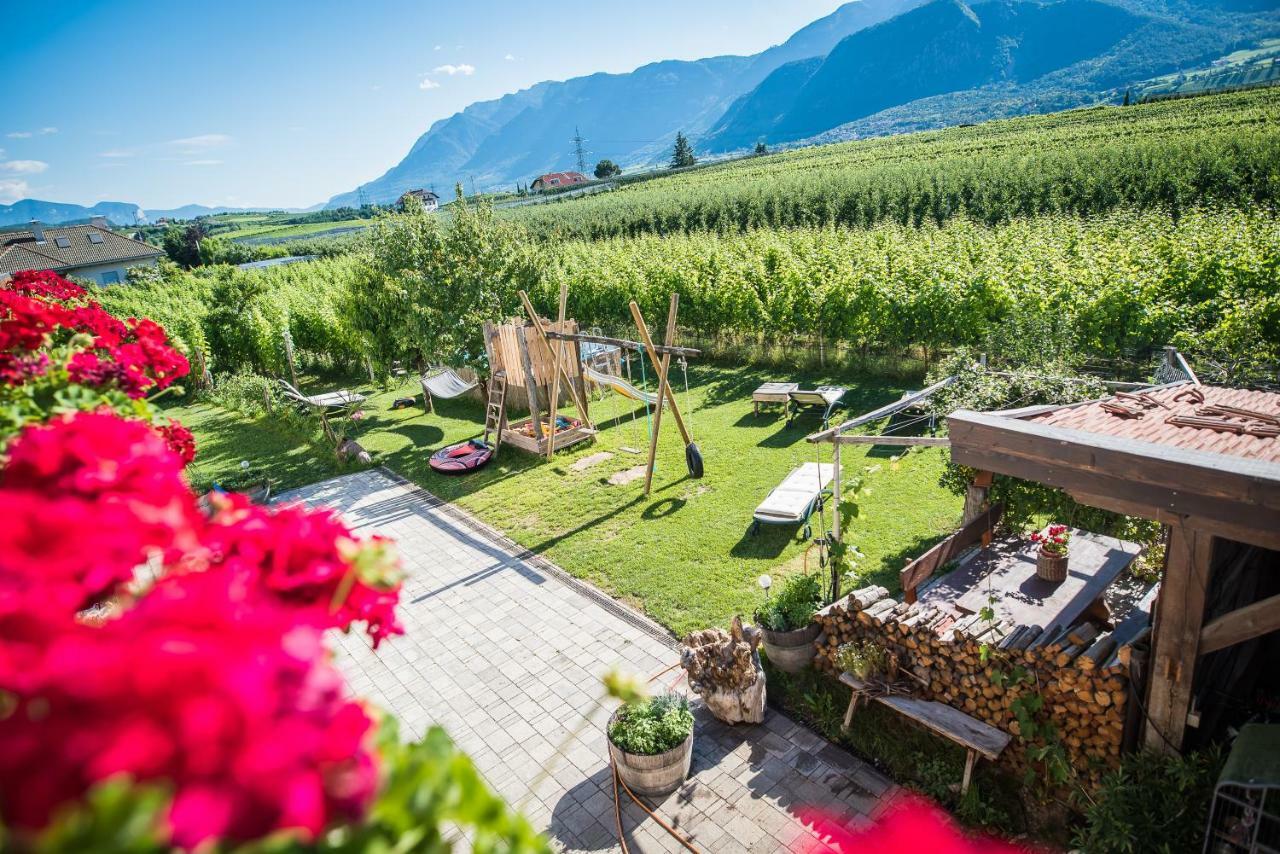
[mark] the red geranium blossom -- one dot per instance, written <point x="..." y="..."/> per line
<point x="44" y="283"/>
<point x="180" y="440"/>
<point x="307" y="559"/>
<point x="203" y="686"/>
<point x="85" y="499"/>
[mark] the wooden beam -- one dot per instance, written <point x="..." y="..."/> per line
<point x="621" y="342"/>
<point x="1226" y="530"/>
<point x="653" y="357"/>
<point x="877" y="414"/>
<point x="542" y="334"/>
<point x="663" y="366"/>
<point x="930" y="441"/>
<point x="530" y="387"/>
<point x="1176" y="637"/>
<point x="557" y="360"/>
<point x="1241" y="625"/>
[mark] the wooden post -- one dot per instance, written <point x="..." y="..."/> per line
<point x="1176" y="637"/>
<point x="557" y="362"/>
<point x="835" y="495"/>
<point x="975" y="496"/>
<point x="530" y="387"/>
<point x="663" y="367"/>
<point x="288" y="355"/>
<point x="653" y="357"/>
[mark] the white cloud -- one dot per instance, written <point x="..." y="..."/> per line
<point x="203" y="163"/>
<point x="20" y="134"/>
<point x="509" y="58"/>
<point x="116" y="153"/>
<point x="428" y="83"/>
<point x="202" y="142"/>
<point x="24" y="167"/>
<point x="47" y="131"/>
<point x="11" y="190"/>
<point x="463" y="69"/>
<point x="438" y="47"/>
<point x="376" y="87"/>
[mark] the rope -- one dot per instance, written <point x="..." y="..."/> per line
<point x="684" y="369"/>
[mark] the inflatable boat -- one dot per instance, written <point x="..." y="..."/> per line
<point x="462" y="457"/>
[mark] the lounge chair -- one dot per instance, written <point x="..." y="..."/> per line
<point x="793" y="501"/>
<point x="328" y="400"/>
<point x="825" y="398"/>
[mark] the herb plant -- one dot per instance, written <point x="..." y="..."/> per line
<point x="652" y="726"/>
<point x="793" y="606"/>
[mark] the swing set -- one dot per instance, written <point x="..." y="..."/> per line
<point x="557" y="355"/>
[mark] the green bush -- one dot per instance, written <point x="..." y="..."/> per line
<point x="1153" y="802"/>
<point x="247" y="393"/>
<point x="652" y="726"/>
<point x="793" y="606"/>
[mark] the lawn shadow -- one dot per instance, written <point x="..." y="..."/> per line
<point x="768" y="542"/>
<point x="421" y="436"/>
<point x="664" y="508"/>
<point x="751" y="419"/>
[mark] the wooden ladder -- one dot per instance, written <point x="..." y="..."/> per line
<point x="495" y="409"/>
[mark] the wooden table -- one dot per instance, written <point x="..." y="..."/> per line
<point x="772" y="393"/>
<point x="1007" y="573"/>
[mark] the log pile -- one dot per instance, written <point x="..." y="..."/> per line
<point x="1080" y="671"/>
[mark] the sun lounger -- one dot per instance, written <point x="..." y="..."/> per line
<point x="328" y="400"/>
<point x="794" y="500"/>
<point x="824" y="397"/>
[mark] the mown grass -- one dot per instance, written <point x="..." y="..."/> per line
<point x="683" y="555"/>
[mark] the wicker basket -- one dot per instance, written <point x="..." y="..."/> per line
<point x="1051" y="567"/>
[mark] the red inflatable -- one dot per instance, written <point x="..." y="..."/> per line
<point x="462" y="457"/>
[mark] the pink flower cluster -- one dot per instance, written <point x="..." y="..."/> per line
<point x="202" y="687"/>
<point x="132" y="355"/>
<point x="1053" y="539"/>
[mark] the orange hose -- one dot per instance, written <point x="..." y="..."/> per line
<point x="677" y="835"/>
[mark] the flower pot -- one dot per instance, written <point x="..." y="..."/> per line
<point x="792" y="651"/>
<point x="652" y="776"/>
<point x="1050" y="566"/>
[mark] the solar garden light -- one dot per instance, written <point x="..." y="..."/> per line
<point x="765" y="583"/>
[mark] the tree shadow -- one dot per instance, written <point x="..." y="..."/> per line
<point x="423" y="436"/>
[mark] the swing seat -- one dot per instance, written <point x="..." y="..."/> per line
<point x="793" y="501"/>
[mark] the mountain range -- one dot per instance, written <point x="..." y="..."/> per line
<point x="23" y="211"/>
<point x="871" y="67"/>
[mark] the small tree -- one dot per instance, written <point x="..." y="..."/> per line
<point x="1127" y="98"/>
<point x="182" y="245"/>
<point x="607" y="169"/>
<point x="682" y="153"/>
<point x="761" y="148"/>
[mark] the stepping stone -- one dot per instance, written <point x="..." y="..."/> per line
<point x="588" y="462"/>
<point x="622" y="478"/>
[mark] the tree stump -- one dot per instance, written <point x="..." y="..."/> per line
<point x="724" y="668"/>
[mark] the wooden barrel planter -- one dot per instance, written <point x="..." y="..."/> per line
<point x="652" y="776"/>
<point x="791" y="651"/>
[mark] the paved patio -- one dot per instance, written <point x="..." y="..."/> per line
<point x="506" y="652"/>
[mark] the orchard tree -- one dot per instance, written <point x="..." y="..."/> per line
<point x="607" y="169"/>
<point x="682" y="153"/>
<point x="427" y="289"/>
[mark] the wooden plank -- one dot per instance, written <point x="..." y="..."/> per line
<point x="622" y="342"/>
<point x="951" y="723"/>
<point x="877" y="414"/>
<point x="535" y="410"/>
<point x="1227" y="529"/>
<point x="542" y="337"/>
<point x="928" y="563"/>
<point x="928" y="441"/>
<point x="1241" y="625"/>
<point x="1179" y="615"/>
<point x="555" y="372"/>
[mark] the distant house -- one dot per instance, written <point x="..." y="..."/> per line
<point x="552" y="180"/>
<point x="430" y="201"/>
<point x="92" y="252"/>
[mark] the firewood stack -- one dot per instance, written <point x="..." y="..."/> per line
<point x="1080" y="672"/>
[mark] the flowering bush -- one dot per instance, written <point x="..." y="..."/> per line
<point x="1053" y="540"/>
<point x="194" y="706"/>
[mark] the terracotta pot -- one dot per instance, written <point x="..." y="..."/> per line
<point x="1051" y="567"/>
<point x="652" y="776"/>
<point x="792" y="651"/>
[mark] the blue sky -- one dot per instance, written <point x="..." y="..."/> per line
<point x="286" y="103"/>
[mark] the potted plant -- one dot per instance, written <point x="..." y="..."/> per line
<point x="651" y="743"/>
<point x="1051" y="557"/>
<point x="864" y="659"/>
<point x="787" y="621"/>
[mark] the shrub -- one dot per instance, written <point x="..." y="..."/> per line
<point x="861" y="659"/>
<point x="652" y="726"/>
<point x="793" y="606"/>
<point x="1152" y="802"/>
<point x="247" y="393"/>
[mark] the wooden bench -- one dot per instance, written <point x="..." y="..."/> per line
<point x="971" y="734"/>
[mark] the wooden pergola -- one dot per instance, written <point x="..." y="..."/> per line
<point x="1202" y="460"/>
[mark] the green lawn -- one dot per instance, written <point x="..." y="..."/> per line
<point x="683" y="555"/>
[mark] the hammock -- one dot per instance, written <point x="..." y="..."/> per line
<point x="328" y="400"/>
<point x="620" y="385"/>
<point x="445" y="384"/>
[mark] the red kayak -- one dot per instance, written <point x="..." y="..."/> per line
<point x="462" y="457"/>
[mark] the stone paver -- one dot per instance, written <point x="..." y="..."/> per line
<point x="506" y="653"/>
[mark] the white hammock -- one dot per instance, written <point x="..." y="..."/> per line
<point x="620" y="385"/>
<point x="445" y="384"/>
<point x="328" y="400"/>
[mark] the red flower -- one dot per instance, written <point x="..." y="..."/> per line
<point x="307" y="559"/>
<point x="201" y="686"/>
<point x="86" y="499"/>
<point x="44" y="283"/>
<point x="180" y="440"/>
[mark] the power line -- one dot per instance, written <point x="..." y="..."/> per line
<point x="579" y="152"/>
